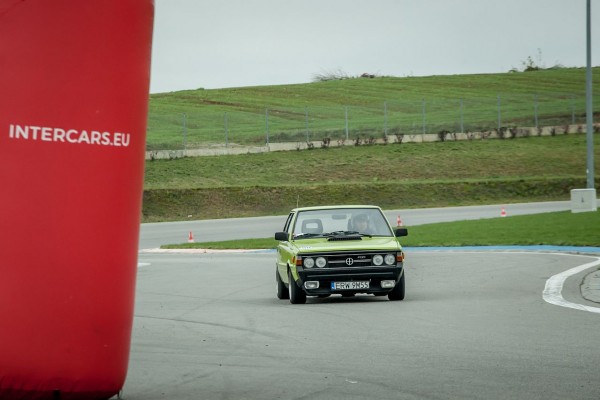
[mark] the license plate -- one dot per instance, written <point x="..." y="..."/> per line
<point x="349" y="285"/>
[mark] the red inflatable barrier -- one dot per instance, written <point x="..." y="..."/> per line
<point x="74" y="79"/>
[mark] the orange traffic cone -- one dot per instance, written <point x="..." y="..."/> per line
<point x="503" y="212"/>
<point x="191" y="237"/>
<point x="399" y="221"/>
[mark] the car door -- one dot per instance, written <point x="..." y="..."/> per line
<point x="285" y="252"/>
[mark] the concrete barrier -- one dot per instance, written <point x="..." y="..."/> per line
<point x="504" y="133"/>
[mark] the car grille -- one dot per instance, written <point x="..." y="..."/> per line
<point x="350" y="259"/>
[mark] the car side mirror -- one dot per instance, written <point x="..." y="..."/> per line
<point x="281" y="236"/>
<point x="401" y="232"/>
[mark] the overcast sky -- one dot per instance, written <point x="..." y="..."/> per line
<point x="231" y="43"/>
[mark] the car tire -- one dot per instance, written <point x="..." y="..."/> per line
<point x="282" y="290"/>
<point x="399" y="291"/>
<point x="297" y="295"/>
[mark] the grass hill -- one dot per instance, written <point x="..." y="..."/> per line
<point x="406" y="175"/>
<point x="395" y="175"/>
<point x="367" y="107"/>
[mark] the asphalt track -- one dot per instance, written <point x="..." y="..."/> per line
<point x="475" y="325"/>
<point x="157" y="234"/>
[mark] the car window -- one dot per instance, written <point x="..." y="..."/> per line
<point x="368" y="221"/>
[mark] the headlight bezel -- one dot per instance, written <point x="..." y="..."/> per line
<point x="377" y="260"/>
<point x="321" y="262"/>
<point x="390" y="259"/>
<point x="308" y="262"/>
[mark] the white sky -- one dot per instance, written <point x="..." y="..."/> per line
<point x="231" y="43"/>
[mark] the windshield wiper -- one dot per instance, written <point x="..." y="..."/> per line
<point x="307" y="235"/>
<point x="346" y="233"/>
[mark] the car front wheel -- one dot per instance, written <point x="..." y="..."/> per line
<point x="282" y="291"/>
<point x="297" y="295"/>
<point x="398" y="292"/>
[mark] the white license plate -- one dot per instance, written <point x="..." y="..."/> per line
<point x="350" y="285"/>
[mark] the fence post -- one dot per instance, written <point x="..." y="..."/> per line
<point x="535" y="110"/>
<point x="306" y="119"/>
<point x="226" y="131"/>
<point x="267" y="124"/>
<point x="462" y="126"/>
<point x="385" y="119"/>
<point x="499" y="114"/>
<point x="346" y="119"/>
<point x="184" y="132"/>
<point x="572" y="109"/>
<point x="424" y="122"/>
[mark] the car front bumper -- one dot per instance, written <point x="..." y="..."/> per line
<point x="325" y="277"/>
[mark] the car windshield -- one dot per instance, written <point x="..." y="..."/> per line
<point x="342" y="221"/>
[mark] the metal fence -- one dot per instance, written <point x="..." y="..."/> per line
<point x="255" y="125"/>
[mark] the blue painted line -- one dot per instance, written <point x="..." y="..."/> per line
<point x="571" y="249"/>
<point x="548" y="248"/>
<point x="260" y="251"/>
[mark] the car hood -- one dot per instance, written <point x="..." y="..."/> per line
<point x="318" y="245"/>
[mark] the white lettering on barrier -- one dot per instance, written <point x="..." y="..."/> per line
<point x="60" y="135"/>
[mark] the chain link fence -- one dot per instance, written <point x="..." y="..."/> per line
<point x="258" y="126"/>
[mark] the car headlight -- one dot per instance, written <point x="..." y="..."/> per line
<point x="377" y="259"/>
<point x="309" y="262"/>
<point x="390" y="259"/>
<point x="321" y="262"/>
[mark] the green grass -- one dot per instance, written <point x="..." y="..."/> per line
<point x="560" y="97"/>
<point x="409" y="175"/>
<point x="522" y="158"/>
<point x="245" y="244"/>
<point x="559" y="229"/>
<point x="405" y="175"/>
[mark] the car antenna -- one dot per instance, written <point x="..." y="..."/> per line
<point x="298" y="201"/>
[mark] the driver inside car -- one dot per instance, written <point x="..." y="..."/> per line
<point x="360" y="223"/>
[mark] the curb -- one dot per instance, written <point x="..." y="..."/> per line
<point x="590" y="288"/>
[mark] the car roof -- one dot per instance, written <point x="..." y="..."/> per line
<point x="339" y="207"/>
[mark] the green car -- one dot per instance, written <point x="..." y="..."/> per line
<point x="339" y="250"/>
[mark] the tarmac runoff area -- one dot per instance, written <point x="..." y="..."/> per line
<point x="590" y="287"/>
